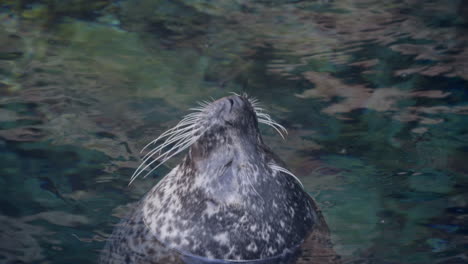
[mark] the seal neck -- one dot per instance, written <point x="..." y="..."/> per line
<point x="230" y="172"/>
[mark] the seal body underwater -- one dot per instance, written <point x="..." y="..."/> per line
<point x="230" y="199"/>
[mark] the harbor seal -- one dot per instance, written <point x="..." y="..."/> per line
<point x="230" y="200"/>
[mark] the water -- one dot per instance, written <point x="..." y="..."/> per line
<point x="373" y="94"/>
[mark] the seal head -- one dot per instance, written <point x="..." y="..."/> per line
<point x="230" y="197"/>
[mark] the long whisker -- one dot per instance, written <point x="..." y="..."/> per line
<point x="273" y="126"/>
<point x="181" y="138"/>
<point x="187" y="131"/>
<point x="175" y="140"/>
<point x="173" y="134"/>
<point x="166" y="158"/>
<point x="170" y="135"/>
<point x="186" y="122"/>
<point x="253" y="188"/>
<point x="265" y="118"/>
<point x="276" y="167"/>
<point x="179" y="147"/>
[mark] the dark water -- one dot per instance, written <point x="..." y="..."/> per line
<point x="374" y="95"/>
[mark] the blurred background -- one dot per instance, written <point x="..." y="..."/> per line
<point x="374" y="95"/>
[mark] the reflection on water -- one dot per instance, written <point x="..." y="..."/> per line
<point x="373" y="95"/>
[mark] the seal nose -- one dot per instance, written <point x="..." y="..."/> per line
<point x="234" y="102"/>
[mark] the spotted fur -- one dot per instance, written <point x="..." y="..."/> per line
<point x="230" y="198"/>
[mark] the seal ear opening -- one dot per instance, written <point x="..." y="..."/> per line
<point x="228" y="164"/>
<point x="232" y="102"/>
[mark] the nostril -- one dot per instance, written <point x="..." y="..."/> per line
<point x="232" y="103"/>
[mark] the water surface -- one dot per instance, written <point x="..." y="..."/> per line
<point x="373" y="94"/>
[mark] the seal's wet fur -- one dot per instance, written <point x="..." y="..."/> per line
<point x="227" y="201"/>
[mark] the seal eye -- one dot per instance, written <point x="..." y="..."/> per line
<point x="231" y="101"/>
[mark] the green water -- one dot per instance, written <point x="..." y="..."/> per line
<point x="374" y="96"/>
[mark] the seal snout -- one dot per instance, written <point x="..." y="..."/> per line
<point x="233" y="102"/>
